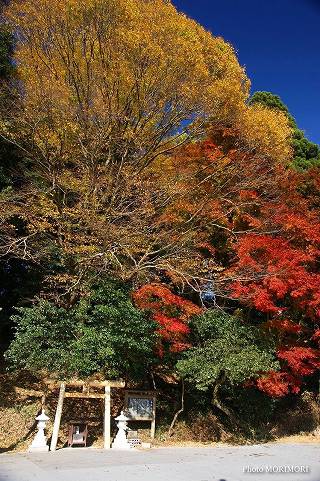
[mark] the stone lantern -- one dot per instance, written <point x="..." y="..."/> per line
<point x="40" y="442"/>
<point x="120" y="441"/>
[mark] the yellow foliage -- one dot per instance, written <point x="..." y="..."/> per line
<point x="122" y="77"/>
<point x="107" y="89"/>
<point x="266" y="132"/>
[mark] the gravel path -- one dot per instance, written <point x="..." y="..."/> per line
<point x="269" y="462"/>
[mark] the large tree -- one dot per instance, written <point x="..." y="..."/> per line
<point x="104" y="88"/>
<point x="107" y="90"/>
<point x="257" y="225"/>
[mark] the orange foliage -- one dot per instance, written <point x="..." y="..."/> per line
<point x="279" y="384"/>
<point x="170" y="311"/>
<point x="302" y="361"/>
<point x="284" y="325"/>
<point x="275" y="270"/>
<point x="299" y="362"/>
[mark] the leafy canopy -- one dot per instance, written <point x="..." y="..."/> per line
<point x="224" y="345"/>
<point x="105" y="87"/>
<point x="103" y="333"/>
<point x="106" y="90"/>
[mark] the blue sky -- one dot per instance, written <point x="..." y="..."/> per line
<point x="278" y="41"/>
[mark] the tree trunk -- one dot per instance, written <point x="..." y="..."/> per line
<point x="170" y="432"/>
<point x="219" y="404"/>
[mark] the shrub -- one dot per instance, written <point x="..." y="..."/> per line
<point x="103" y="333"/>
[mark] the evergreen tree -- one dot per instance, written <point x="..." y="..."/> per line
<point x="103" y="333"/>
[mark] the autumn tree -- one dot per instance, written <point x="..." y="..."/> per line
<point x="104" y="89"/>
<point x="216" y="185"/>
<point x="171" y="312"/>
<point x="258" y="244"/>
<point x="275" y="273"/>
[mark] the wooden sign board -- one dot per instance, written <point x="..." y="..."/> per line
<point x="141" y="406"/>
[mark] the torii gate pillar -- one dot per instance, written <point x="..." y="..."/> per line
<point x="86" y="394"/>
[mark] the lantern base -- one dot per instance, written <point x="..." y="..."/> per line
<point x="121" y="442"/>
<point x="121" y="446"/>
<point x="40" y="449"/>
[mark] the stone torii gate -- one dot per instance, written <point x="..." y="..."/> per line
<point x="85" y="394"/>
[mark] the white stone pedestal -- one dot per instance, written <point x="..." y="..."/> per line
<point x="39" y="444"/>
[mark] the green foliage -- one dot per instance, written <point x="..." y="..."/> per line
<point x="104" y="332"/>
<point x="44" y="333"/>
<point x="306" y="153"/>
<point x="19" y="282"/>
<point x="225" y="346"/>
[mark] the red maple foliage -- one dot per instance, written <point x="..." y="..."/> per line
<point x="273" y="272"/>
<point x="268" y="217"/>
<point x="299" y="362"/>
<point x="170" y="311"/>
<point x="279" y="384"/>
<point x="255" y="227"/>
<point x="276" y="271"/>
<point x="302" y="361"/>
<point x="285" y="326"/>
